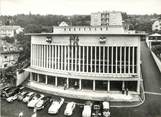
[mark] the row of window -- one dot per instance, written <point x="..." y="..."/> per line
<point x="85" y="58"/>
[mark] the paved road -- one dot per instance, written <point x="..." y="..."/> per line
<point x="152" y="83"/>
<point x="150" y="108"/>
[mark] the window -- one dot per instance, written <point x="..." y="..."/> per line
<point x="5" y="57"/>
<point x="5" y="65"/>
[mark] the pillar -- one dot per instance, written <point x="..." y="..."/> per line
<point x="94" y="85"/>
<point x="67" y="82"/>
<point x="123" y="84"/>
<point x="46" y="79"/>
<point x="31" y="77"/>
<point x="80" y="84"/>
<point x="56" y="81"/>
<point x="108" y="86"/>
<point x="38" y="78"/>
<point x="138" y="86"/>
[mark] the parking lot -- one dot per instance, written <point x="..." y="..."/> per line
<point x="14" y="108"/>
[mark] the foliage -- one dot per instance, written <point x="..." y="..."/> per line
<point x="9" y="39"/>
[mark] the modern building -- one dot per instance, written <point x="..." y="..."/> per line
<point x="113" y="18"/>
<point x="156" y="26"/>
<point x="8" y="54"/>
<point x="10" y="30"/>
<point x="101" y="59"/>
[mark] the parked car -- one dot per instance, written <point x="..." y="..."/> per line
<point x="34" y="100"/>
<point x="11" y="98"/>
<point x="43" y="102"/>
<point x="55" y="106"/>
<point x="28" y="97"/>
<point x="106" y="108"/>
<point x="4" y="90"/>
<point x="13" y="91"/>
<point x="86" y="111"/>
<point x="69" y="108"/>
<point x="21" y="95"/>
<point x="97" y="109"/>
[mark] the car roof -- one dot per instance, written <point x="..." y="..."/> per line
<point x="106" y="105"/>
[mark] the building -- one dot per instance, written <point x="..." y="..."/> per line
<point x="113" y="18"/>
<point x="10" y="30"/>
<point x="156" y="26"/>
<point x="102" y="59"/>
<point x="8" y="54"/>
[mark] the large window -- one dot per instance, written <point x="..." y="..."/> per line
<point x="96" y="59"/>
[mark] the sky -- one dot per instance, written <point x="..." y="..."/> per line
<point x="72" y="7"/>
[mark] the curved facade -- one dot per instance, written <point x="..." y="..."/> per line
<point x="97" y="62"/>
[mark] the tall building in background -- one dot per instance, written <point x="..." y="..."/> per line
<point x="106" y="19"/>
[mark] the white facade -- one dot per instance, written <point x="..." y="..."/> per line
<point x="10" y="31"/>
<point x="8" y="54"/>
<point x="103" y="59"/>
<point x="156" y="26"/>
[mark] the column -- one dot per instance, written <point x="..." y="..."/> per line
<point x="87" y="58"/>
<point x="99" y="59"/>
<point x="80" y="84"/>
<point x="44" y="56"/>
<point x="31" y="77"/>
<point x="91" y="58"/>
<point x="46" y="79"/>
<point x="83" y="58"/>
<point x="67" y="82"/>
<point x="125" y="60"/>
<point x="116" y="60"/>
<point x="62" y="56"/>
<point x="103" y="59"/>
<point x="129" y="60"/>
<point x="123" y="84"/>
<point x="138" y="86"/>
<point x="52" y="57"/>
<point x="108" y="58"/>
<point x="65" y="59"/>
<point x="133" y="49"/>
<point x="38" y="78"/>
<point x="93" y="85"/>
<point x="56" y="81"/>
<point x="72" y="59"/>
<point x="108" y="86"/>
<point x="58" y="61"/>
<point x="80" y="58"/>
<point x="76" y="58"/>
<point x="31" y="58"/>
<point x="69" y="58"/>
<point x="112" y="60"/>
<point x="120" y="59"/>
<point x="47" y="56"/>
<point x="55" y="56"/>
<point x="95" y="59"/>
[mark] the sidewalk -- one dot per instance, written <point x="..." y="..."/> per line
<point x="115" y="98"/>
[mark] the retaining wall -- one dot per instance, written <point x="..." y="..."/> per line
<point x="157" y="61"/>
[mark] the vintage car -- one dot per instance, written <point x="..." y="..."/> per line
<point x="11" y="98"/>
<point x="28" y="97"/>
<point x="69" y="108"/>
<point x="86" y="111"/>
<point x="55" y="106"/>
<point x="43" y="102"/>
<point x="97" y="109"/>
<point x="34" y="100"/>
<point x="106" y="108"/>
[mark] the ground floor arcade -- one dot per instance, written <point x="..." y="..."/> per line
<point x="86" y="84"/>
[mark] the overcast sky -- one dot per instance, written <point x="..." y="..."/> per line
<point x="70" y="7"/>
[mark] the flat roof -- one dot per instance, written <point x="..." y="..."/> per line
<point x="110" y="34"/>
